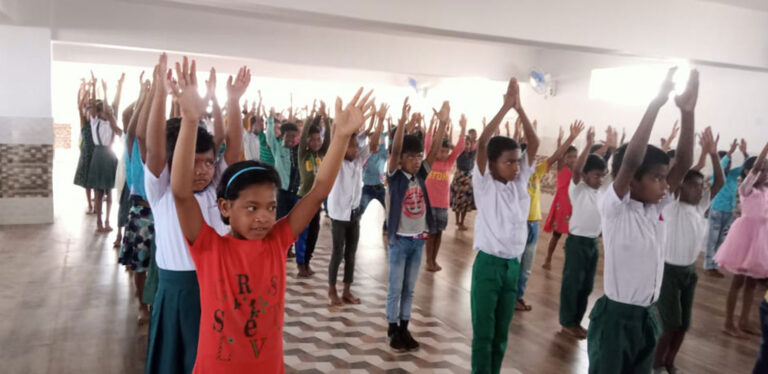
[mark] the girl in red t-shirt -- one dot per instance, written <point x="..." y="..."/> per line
<point x="242" y="275"/>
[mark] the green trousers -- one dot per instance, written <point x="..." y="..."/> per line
<point x="676" y="297"/>
<point x="622" y="337"/>
<point x="492" y="298"/>
<point x="578" y="277"/>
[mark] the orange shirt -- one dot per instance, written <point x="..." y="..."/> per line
<point x="242" y="301"/>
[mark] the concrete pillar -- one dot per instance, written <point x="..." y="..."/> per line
<point x="26" y="126"/>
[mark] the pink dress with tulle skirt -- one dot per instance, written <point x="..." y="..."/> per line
<point x="745" y="249"/>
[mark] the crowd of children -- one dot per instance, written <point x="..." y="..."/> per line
<point x="210" y="218"/>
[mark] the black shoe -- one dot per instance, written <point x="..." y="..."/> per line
<point x="396" y="342"/>
<point x="410" y="343"/>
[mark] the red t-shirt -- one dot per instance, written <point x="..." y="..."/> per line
<point x="242" y="301"/>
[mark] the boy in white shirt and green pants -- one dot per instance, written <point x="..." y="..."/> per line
<point x="623" y="327"/>
<point x="500" y="182"/>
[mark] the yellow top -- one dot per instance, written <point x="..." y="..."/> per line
<point x="534" y="190"/>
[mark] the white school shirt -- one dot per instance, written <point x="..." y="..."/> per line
<point x="686" y="230"/>
<point x="501" y="228"/>
<point x="585" y="215"/>
<point x="348" y="188"/>
<point x="101" y="131"/>
<point x="251" y="145"/>
<point x="172" y="252"/>
<point x="633" y="237"/>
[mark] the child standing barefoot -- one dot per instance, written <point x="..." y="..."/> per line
<point x="745" y="250"/>
<point x="438" y="188"/>
<point x="684" y="240"/>
<point x="462" y="197"/>
<point x="561" y="209"/>
<point x="623" y="329"/>
<point x="242" y="275"/>
<point x="581" y="251"/>
<point x="500" y="182"/>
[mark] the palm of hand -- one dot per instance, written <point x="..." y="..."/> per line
<point x="191" y="103"/>
<point x="348" y="120"/>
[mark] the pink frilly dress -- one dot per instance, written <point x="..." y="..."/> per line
<point x="745" y="249"/>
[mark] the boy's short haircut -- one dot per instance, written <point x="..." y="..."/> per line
<point x="691" y="174"/>
<point x="653" y="156"/>
<point x="288" y="126"/>
<point x="721" y="154"/>
<point x="570" y="149"/>
<point x="749" y="164"/>
<point x="412" y="144"/>
<point x="498" y="145"/>
<point x="594" y="162"/>
<point x="173" y="126"/>
<point x="671" y="153"/>
<point x="595" y="148"/>
<point x="243" y="174"/>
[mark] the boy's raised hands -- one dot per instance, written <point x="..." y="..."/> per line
<point x="351" y="118"/>
<point x="686" y="101"/>
<point x="236" y="87"/>
<point x="192" y="105"/>
<point x="512" y="96"/>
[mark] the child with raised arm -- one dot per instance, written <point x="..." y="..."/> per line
<point x="561" y="209"/>
<point x="462" y="197"/>
<point x="438" y="188"/>
<point x="344" y="209"/>
<point x="723" y="204"/>
<point x="409" y="221"/>
<point x="745" y="250"/>
<point x="623" y="325"/>
<point x="312" y="148"/>
<point x="500" y="183"/>
<point x="534" y="213"/>
<point x="685" y="234"/>
<point x="581" y="251"/>
<point x="242" y="274"/>
<point x="175" y="319"/>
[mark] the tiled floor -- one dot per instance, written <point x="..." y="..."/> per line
<point x="67" y="307"/>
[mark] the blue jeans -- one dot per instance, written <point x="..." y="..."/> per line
<point x="761" y="366"/>
<point x="719" y="223"/>
<point x="370" y="193"/>
<point x="404" y="263"/>
<point x="527" y="258"/>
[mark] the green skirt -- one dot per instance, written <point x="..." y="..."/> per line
<point x="103" y="169"/>
<point x="86" y="154"/>
<point x="175" y="323"/>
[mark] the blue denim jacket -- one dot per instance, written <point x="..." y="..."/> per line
<point x="398" y="183"/>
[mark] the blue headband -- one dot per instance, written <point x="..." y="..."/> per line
<point x="232" y="179"/>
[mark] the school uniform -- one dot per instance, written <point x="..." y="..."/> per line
<point x="344" y="211"/>
<point x="624" y="326"/>
<point x="103" y="167"/>
<point x="501" y="232"/>
<point x="686" y="230"/>
<point x="175" y="321"/>
<point x="581" y="253"/>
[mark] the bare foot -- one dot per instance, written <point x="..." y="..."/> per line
<point x="583" y="331"/>
<point x="90" y="211"/>
<point x="734" y="332"/>
<point x="143" y="315"/>
<point x="574" y="331"/>
<point x="335" y="301"/>
<point x="303" y="273"/>
<point x="310" y="271"/>
<point x="437" y="267"/>
<point x="547" y="265"/>
<point x="107" y="227"/>
<point x="118" y="242"/>
<point x="745" y="328"/>
<point x="350" y="299"/>
<point x="462" y="228"/>
<point x="431" y="268"/>
<point x="522" y="306"/>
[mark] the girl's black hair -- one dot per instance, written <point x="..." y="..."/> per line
<point x="654" y="156"/>
<point x="233" y="181"/>
<point x="748" y="165"/>
<point x="594" y="162"/>
<point x="173" y="126"/>
<point x="671" y="153"/>
<point x="447" y="143"/>
<point x="313" y="129"/>
<point x="412" y="144"/>
<point x="288" y="126"/>
<point x="498" y="145"/>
